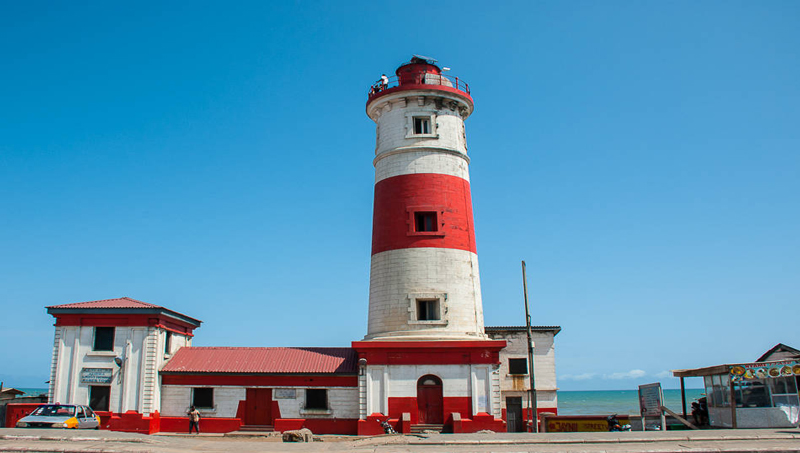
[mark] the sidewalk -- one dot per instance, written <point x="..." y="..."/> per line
<point x="728" y="441"/>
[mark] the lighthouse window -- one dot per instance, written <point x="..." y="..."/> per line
<point x="428" y="309"/>
<point x="422" y="125"/>
<point x="425" y="221"/>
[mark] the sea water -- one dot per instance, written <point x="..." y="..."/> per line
<point x="582" y="402"/>
<point x="606" y="402"/>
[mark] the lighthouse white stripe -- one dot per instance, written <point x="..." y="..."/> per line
<point x="422" y="161"/>
<point x="395" y="274"/>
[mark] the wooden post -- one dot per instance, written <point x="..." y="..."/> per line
<point x="683" y="397"/>
<point x="532" y="401"/>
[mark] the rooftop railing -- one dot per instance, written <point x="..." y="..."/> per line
<point x="417" y="79"/>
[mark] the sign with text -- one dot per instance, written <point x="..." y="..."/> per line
<point x="651" y="399"/>
<point x="96" y="375"/>
<point x="765" y="370"/>
<point x="580" y="424"/>
<point x="285" y="394"/>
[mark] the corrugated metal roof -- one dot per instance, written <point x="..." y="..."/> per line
<point x="522" y="328"/>
<point x="119" y="305"/>
<point x="263" y="360"/>
<point x="121" y="302"/>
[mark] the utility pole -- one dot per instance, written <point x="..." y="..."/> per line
<point x="532" y="404"/>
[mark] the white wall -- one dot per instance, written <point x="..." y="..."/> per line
<point x="478" y="382"/>
<point x="544" y="366"/>
<point x="395" y="275"/>
<point x="176" y="400"/>
<point x="134" y="386"/>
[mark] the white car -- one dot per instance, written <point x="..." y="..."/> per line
<point x="61" y="416"/>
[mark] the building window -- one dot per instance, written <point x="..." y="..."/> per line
<point x="99" y="396"/>
<point x="103" y="338"/>
<point x="425" y="221"/>
<point x="428" y="310"/>
<point x="317" y="399"/>
<point x="517" y="366"/>
<point x="422" y="125"/>
<point x="203" y="397"/>
<point x="167" y="342"/>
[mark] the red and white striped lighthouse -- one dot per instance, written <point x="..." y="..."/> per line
<point x="425" y="360"/>
<point x="424" y="281"/>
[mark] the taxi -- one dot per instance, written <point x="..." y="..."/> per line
<point x="61" y="416"/>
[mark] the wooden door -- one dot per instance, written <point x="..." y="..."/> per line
<point x="258" y="407"/>
<point x="514" y="414"/>
<point x="430" y="401"/>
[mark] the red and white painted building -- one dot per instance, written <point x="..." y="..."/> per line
<point x="426" y="360"/>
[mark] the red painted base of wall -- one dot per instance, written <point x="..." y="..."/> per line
<point x="482" y="421"/>
<point x="207" y="425"/>
<point x="454" y="424"/>
<point x="15" y="411"/>
<point x="319" y="425"/>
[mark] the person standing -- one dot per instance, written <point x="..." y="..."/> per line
<point x="194" y="420"/>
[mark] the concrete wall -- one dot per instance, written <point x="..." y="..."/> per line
<point x="544" y="365"/>
<point x="134" y="387"/>
<point x="176" y="400"/>
<point x="397" y="276"/>
<point x="479" y="383"/>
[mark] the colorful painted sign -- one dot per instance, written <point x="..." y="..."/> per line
<point x="96" y="375"/>
<point x="765" y="370"/>
<point x="578" y="424"/>
<point x="651" y="399"/>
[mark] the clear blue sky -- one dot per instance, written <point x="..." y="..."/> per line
<point x="215" y="158"/>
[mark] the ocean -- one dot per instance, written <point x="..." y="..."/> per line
<point x="585" y="402"/>
<point x="605" y="402"/>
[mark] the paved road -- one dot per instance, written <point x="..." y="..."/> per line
<point x="726" y="441"/>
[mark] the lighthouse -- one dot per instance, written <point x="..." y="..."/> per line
<point x="425" y="359"/>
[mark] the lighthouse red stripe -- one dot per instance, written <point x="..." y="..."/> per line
<point x="396" y="199"/>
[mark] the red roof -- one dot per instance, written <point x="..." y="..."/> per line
<point x="263" y="360"/>
<point x="122" y="302"/>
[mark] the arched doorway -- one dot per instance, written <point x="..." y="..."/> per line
<point x="430" y="400"/>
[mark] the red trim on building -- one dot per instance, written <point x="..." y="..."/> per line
<point x="124" y="320"/>
<point x="398" y="197"/>
<point x="258" y="380"/>
<point x="419" y="87"/>
<point x="319" y="425"/>
<point x="429" y="352"/>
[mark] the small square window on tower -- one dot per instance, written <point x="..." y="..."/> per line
<point x="425" y="221"/>
<point x="421" y="124"/>
<point x="427" y="309"/>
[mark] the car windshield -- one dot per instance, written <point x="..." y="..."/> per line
<point x="54" y="410"/>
